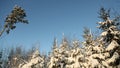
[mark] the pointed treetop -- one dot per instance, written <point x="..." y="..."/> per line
<point x="36" y="53"/>
<point x="104" y="14"/>
<point x="64" y="43"/>
<point x="55" y="44"/>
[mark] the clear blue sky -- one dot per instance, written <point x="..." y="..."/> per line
<point x="51" y="18"/>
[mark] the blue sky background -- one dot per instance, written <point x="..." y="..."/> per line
<point x="51" y="18"/>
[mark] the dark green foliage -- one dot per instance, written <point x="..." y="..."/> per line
<point x="104" y="14"/>
<point x="17" y="15"/>
<point x="87" y="36"/>
<point x="112" y="27"/>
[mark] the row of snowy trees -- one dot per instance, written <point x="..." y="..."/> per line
<point x="102" y="51"/>
<point x="95" y="52"/>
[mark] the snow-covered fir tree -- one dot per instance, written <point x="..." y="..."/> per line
<point x="59" y="55"/>
<point x="35" y="62"/>
<point x="110" y="38"/>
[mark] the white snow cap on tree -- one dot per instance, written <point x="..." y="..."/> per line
<point x="36" y="61"/>
<point x="104" y="33"/>
<point x="113" y="45"/>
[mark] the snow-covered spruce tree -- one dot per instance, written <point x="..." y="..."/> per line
<point x="59" y="54"/>
<point x="76" y="57"/>
<point x="36" y="61"/>
<point x="104" y="52"/>
<point x="111" y="38"/>
<point x="88" y="42"/>
<point x="53" y="56"/>
<point x="91" y="47"/>
<point x="64" y="52"/>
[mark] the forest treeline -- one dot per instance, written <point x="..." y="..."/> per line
<point x="101" y="51"/>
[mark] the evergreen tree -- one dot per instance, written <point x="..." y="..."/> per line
<point x="17" y="15"/>
<point x="87" y="35"/>
<point x="110" y="37"/>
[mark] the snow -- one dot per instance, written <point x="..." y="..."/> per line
<point x="113" y="58"/>
<point x="36" y="59"/>
<point x="104" y="33"/>
<point x="113" y="45"/>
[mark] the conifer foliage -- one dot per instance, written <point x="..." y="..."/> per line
<point x="17" y="15"/>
